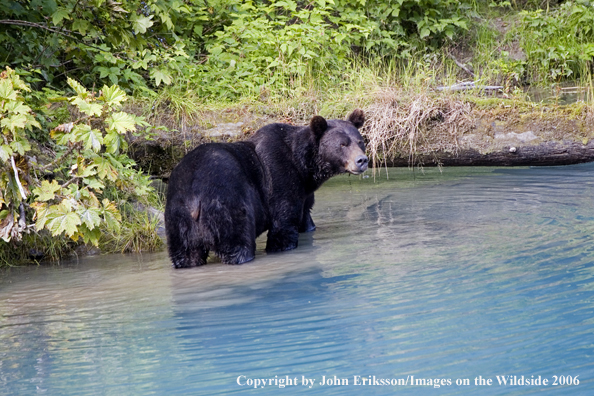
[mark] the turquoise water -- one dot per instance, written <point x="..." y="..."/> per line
<point x="423" y="277"/>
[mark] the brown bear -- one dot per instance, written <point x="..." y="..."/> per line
<point x="222" y="196"/>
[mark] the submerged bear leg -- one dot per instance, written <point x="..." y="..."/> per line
<point x="239" y="256"/>
<point x="239" y="250"/>
<point x="186" y="247"/>
<point x="284" y="231"/>
<point x="236" y="239"/>
<point x="283" y="239"/>
<point x="190" y="254"/>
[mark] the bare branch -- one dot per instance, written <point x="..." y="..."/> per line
<point x="16" y="177"/>
<point x="62" y="32"/>
<point x="33" y="24"/>
<point x="75" y="178"/>
<point x="461" y="65"/>
<point x="60" y="158"/>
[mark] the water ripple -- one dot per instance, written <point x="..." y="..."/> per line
<point x="454" y="275"/>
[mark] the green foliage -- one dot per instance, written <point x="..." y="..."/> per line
<point x="279" y="44"/>
<point x="227" y="48"/>
<point x="100" y="42"/>
<point x="138" y="233"/>
<point x="69" y="195"/>
<point x="559" y="44"/>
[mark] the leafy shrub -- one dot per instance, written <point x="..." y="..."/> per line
<point x="65" y="188"/>
<point x="559" y="44"/>
<point x="227" y="47"/>
<point x="285" y="44"/>
<point x="128" y="42"/>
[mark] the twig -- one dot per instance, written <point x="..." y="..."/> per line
<point x="16" y="177"/>
<point x="58" y="159"/>
<point x="22" y="219"/>
<point x="75" y="178"/>
<point x="461" y="65"/>
<point x="32" y="24"/>
<point x="66" y="33"/>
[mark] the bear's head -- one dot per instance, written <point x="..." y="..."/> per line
<point x="341" y="147"/>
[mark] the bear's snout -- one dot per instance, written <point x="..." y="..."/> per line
<point x="362" y="162"/>
<point x="357" y="165"/>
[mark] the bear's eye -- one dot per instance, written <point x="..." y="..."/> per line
<point x="343" y="144"/>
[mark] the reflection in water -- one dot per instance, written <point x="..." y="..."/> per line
<point x="455" y="275"/>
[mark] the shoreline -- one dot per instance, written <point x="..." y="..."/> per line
<point x="442" y="130"/>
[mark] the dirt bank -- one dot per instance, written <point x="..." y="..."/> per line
<point x="424" y="130"/>
<point x="502" y="133"/>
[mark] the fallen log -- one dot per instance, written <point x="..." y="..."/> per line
<point x="464" y="86"/>
<point x="543" y="154"/>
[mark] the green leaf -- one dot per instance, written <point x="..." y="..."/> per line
<point x="113" y="142"/>
<point x="141" y="23"/>
<point x="5" y="152"/>
<point x="92" y="139"/>
<point x="20" y="145"/>
<point x="111" y="215"/>
<point x="17" y="107"/>
<point x="94" y="184"/>
<point x="41" y="211"/>
<point x="6" y="90"/>
<point x="113" y="95"/>
<point x="81" y="25"/>
<point x="59" y="15"/>
<point x="91" y="217"/>
<point x="17" y="83"/>
<point x="86" y="171"/>
<point x="78" y="88"/>
<point x="449" y="32"/>
<point x="62" y="219"/>
<point x="90" y="236"/>
<point x="103" y="71"/>
<point x="47" y="190"/>
<point x="90" y="109"/>
<point x="121" y="122"/>
<point x="14" y="122"/>
<point x="105" y="169"/>
<point x="78" y="131"/>
<point x="32" y="122"/>
<point x="159" y="75"/>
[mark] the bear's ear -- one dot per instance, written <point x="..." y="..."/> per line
<point x="357" y="117"/>
<point x="318" y="126"/>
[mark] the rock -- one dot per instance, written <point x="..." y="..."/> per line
<point x="522" y="137"/>
<point x="153" y="214"/>
<point x="233" y="129"/>
<point x="36" y="254"/>
<point x="87" y="250"/>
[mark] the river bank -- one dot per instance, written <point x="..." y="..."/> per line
<point x="422" y="129"/>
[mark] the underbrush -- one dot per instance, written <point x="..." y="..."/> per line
<point x="139" y="232"/>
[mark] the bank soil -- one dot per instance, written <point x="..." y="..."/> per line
<point x="422" y="131"/>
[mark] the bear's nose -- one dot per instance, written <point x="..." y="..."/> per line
<point x="362" y="161"/>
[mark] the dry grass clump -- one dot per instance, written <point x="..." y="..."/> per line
<point x="400" y="126"/>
